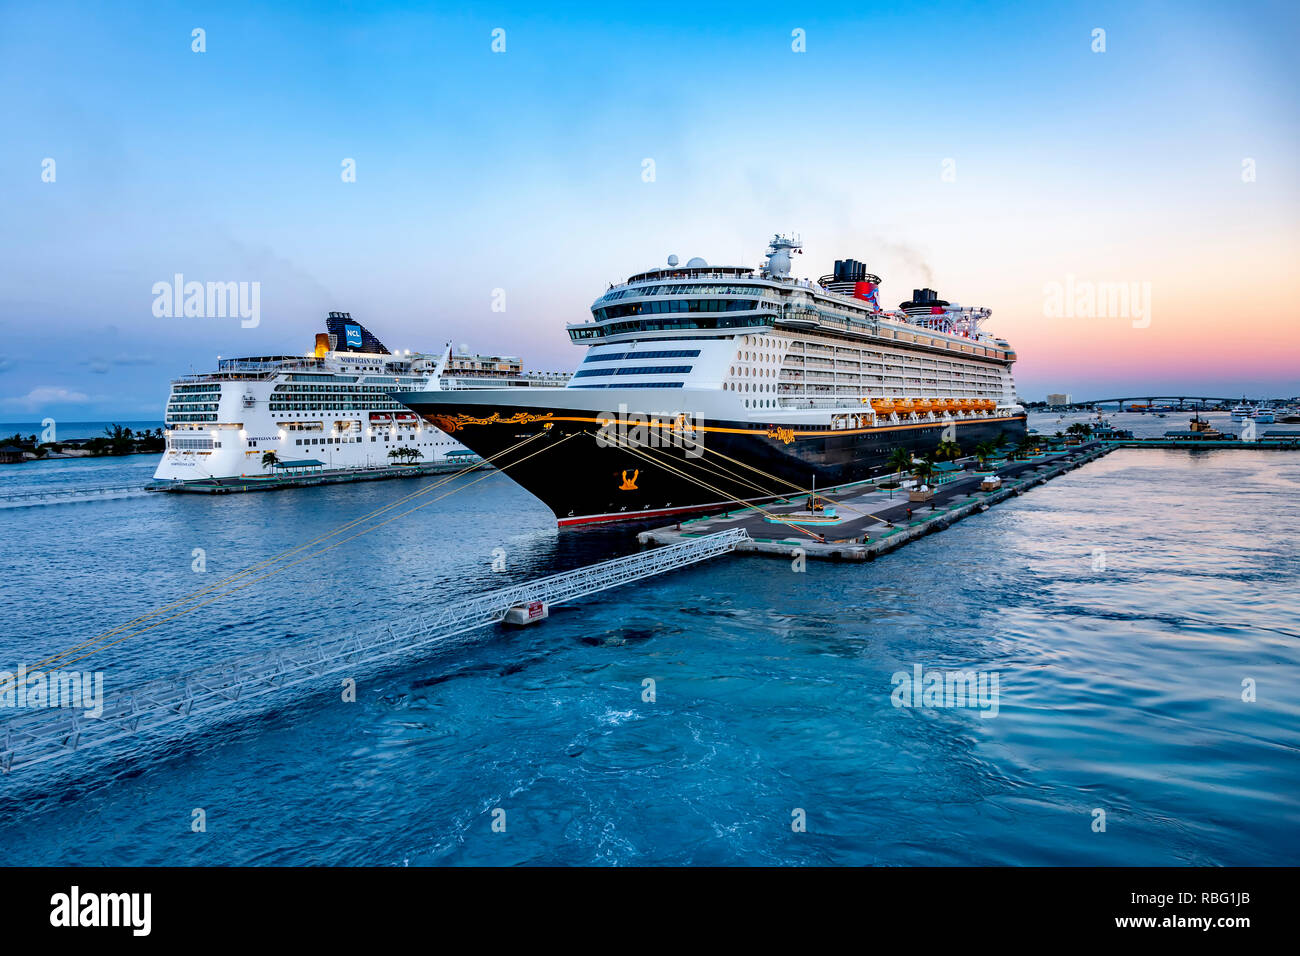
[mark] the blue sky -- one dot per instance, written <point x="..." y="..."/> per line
<point x="523" y="171"/>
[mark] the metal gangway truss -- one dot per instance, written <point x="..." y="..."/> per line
<point x="51" y="495"/>
<point x="176" y="706"/>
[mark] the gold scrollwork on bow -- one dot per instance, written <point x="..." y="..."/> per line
<point x="453" y="423"/>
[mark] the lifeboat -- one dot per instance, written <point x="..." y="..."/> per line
<point x="882" y="406"/>
<point x="380" y="418"/>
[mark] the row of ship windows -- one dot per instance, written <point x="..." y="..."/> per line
<point x="373" y="438"/>
<point x="635" y="385"/>
<point x="684" y="290"/>
<point x="674" y="305"/>
<point x="652" y="354"/>
<point x="840" y="313"/>
<point x="335" y="406"/>
<point x="841" y="352"/>
<point x="332" y="390"/>
<point x="930" y="374"/>
<point x="875" y="368"/>
<point x="668" y="325"/>
<point x="346" y="440"/>
<point x="634" y="370"/>
<point x="892" y="381"/>
<point x="870" y="358"/>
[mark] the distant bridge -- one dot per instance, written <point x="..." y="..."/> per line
<point x="1180" y="401"/>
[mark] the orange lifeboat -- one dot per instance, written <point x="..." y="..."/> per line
<point x="882" y="406"/>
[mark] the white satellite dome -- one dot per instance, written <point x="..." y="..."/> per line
<point x="697" y="263"/>
<point x="778" y="263"/>
<point x="672" y="260"/>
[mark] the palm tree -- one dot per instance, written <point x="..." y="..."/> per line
<point x="270" y="459"/>
<point x="924" y="470"/>
<point x="1023" y="447"/>
<point x="900" y="459"/>
<point x="948" y="449"/>
<point x="986" y="450"/>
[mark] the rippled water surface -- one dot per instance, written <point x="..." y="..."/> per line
<point x="1120" y="606"/>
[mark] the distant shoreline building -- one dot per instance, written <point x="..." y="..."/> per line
<point x="1057" y="398"/>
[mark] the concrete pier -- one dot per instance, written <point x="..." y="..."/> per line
<point x="872" y="521"/>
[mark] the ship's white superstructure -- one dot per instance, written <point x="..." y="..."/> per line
<point x="780" y="345"/>
<point x="329" y="406"/>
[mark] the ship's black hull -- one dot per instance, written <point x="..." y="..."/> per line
<point x="584" y="478"/>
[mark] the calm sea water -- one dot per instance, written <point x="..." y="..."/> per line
<point x="1120" y="687"/>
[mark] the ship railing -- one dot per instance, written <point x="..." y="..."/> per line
<point x="242" y="365"/>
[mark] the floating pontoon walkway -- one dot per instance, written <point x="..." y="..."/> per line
<point x="304" y="478"/>
<point x="177" y="706"/>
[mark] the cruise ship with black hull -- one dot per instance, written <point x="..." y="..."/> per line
<point x="707" y="385"/>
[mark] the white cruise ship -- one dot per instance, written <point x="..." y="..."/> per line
<point x="746" y="382"/>
<point x="329" y="407"/>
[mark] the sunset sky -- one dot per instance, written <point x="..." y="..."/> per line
<point x="1170" y="160"/>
